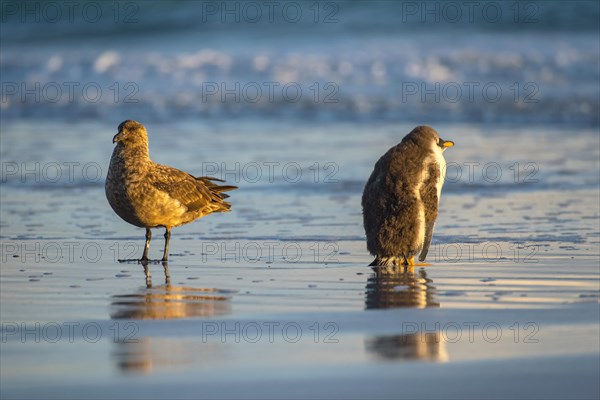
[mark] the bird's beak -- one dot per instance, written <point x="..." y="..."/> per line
<point x="117" y="137"/>
<point x="444" y="144"/>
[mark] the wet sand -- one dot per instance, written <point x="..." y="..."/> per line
<point x="275" y="299"/>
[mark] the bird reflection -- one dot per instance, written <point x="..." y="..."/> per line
<point x="142" y="354"/>
<point x="169" y="302"/>
<point x="399" y="289"/>
<point x="424" y="346"/>
<point x="149" y="354"/>
<point x="165" y="264"/>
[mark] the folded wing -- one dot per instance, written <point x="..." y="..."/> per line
<point x="196" y="193"/>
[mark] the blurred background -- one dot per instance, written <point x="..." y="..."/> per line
<point x="371" y="61"/>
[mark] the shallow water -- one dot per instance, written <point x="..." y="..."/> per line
<point x="382" y="61"/>
<point x="281" y="282"/>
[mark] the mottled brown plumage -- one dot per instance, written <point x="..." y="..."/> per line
<point x="151" y="195"/>
<point x="400" y="199"/>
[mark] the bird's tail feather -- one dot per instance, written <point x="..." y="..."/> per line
<point x="209" y="180"/>
<point x="217" y="192"/>
<point x="219" y="189"/>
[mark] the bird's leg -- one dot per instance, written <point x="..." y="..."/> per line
<point x="411" y="261"/>
<point x="147" y="245"/>
<point x="167" y="238"/>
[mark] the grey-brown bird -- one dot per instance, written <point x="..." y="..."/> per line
<point x="151" y="195"/>
<point x="400" y="200"/>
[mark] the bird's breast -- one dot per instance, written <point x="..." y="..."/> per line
<point x="441" y="162"/>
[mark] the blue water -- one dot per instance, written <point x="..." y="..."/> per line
<point x="494" y="62"/>
<point x="321" y="87"/>
<point x="294" y="105"/>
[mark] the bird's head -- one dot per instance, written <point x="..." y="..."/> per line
<point x="426" y="137"/>
<point x="131" y="132"/>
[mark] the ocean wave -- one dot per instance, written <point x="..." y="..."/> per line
<point x="467" y="85"/>
<point x="378" y="63"/>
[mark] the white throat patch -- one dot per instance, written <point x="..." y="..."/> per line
<point x="441" y="162"/>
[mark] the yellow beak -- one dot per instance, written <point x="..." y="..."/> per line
<point x="447" y="143"/>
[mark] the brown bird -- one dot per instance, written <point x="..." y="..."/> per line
<point x="401" y="198"/>
<point x="151" y="195"/>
